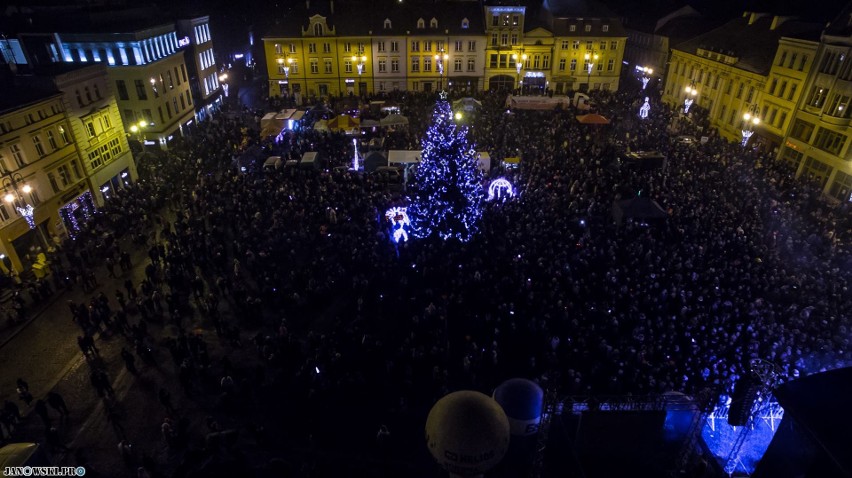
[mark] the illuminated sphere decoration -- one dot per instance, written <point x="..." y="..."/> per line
<point x="500" y="188"/>
<point x="467" y="432"/>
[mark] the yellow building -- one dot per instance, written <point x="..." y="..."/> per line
<point x="97" y="129"/>
<point x="725" y="73"/>
<point x="354" y="51"/>
<point x="817" y="145"/>
<point x="39" y="164"/>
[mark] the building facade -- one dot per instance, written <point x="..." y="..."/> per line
<point x="817" y="144"/>
<point x="195" y="38"/>
<point x="40" y="167"/>
<point x="99" y="135"/>
<point x="458" y="46"/>
<point x="726" y="72"/>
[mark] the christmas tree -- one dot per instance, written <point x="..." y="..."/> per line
<point x="446" y="195"/>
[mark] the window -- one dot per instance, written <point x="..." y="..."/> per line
<point x="294" y="67"/>
<point x="38" y="146"/>
<point x="183" y="72"/>
<point x="514" y="40"/>
<point x="589" y="45"/>
<point x="64" y="175"/>
<point x="471" y="64"/>
<point x="750" y="96"/>
<point x="772" y="86"/>
<point x="610" y="65"/>
<point x="495" y="21"/>
<point x="317" y="30"/>
<point x="383" y="66"/>
<point x="573" y="64"/>
<point x="79" y="100"/>
<point x="588" y="28"/>
<point x="572" y="28"/>
<point x="380" y="46"/>
<point x="64" y="134"/>
<point x="51" y="140"/>
<point x="493" y="39"/>
<point x="326" y="47"/>
<point x="613" y="45"/>
<point x="802" y="130"/>
<point x="838" y="106"/>
<point x="4" y="214"/>
<point x="831" y="62"/>
<point x="565" y="44"/>
<point x="740" y="90"/>
<point x="792" y="60"/>
<point x="18" y="155"/>
<point x="515" y="20"/>
<point x="182" y="103"/>
<point x="394" y="65"/>
<point x="504" y="39"/>
<point x="433" y="23"/>
<point x="605" y="28"/>
<point x="188" y="98"/>
<point x="160" y="111"/>
<point x="722" y="112"/>
<point x="415" y="46"/>
<point x="421" y="23"/>
<point x="562" y="62"/>
<point x="841" y="187"/>
<point x="465" y="23"/>
<point x="457" y="64"/>
<point x="545" y="62"/>
<point x="817" y="97"/>
<point x="53" y="184"/>
<point x="278" y="48"/>
<point x="387" y="24"/>
<point x="492" y="63"/>
<point x="177" y="77"/>
<point x="471" y="45"/>
<point x="314" y="66"/>
<point x="312" y="47"/>
<point x="394" y="46"/>
<point x="171" y="82"/>
<point x="792" y="91"/>
<point x="347" y="47"/>
<point x="458" y="45"/>
<point x="90" y="128"/>
<point x="121" y="87"/>
<point x="603" y="45"/>
<point x="802" y="62"/>
<point x="576" y="45"/>
<point x="106" y="123"/>
<point x="427" y="46"/>
<point x="347" y="66"/>
<point x="600" y="66"/>
<point x="816" y="170"/>
<point x="328" y="65"/>
<point x="783" y="58"/>
<point x="169" y="109"/>
<point x="427" y="63"/>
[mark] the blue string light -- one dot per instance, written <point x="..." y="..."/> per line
<point x="447" y="194"/>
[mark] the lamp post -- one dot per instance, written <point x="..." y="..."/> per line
<point x="285" y="64"/>
<point x="13" y="196"/>
<point x="691" y="93"/>
<point x="360" y="62"/>
<point x="440" y="58"/>
<point x="519" y="65"/>
<point x="750" y="122"/>
<point x="591" y="57"/>
<point x="223" y="78"/>
<point x="645" y="75"/>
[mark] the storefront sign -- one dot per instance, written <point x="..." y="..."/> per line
<point x="182" y="42"/>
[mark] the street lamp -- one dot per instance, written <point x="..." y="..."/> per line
<point x="591" y="57"/>
<point x="285" y="65"/>
<point x="646" y="75"/>
<point x="519" y="65"/>
<point x="14" y="197"/>
<point x="750" y="122"/>
<point x="440" y="58"/>
<point x="359" y="61"/>
<point x="691" y="93"/>
<point x="223" y="78"/>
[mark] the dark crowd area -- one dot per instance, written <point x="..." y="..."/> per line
<point x="332" y="342"/>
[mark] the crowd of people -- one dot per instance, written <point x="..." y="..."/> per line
<point x="355" y="334"/>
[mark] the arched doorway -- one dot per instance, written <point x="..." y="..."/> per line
<point x="501" y="82"/>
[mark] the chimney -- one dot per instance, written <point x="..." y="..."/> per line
<point x="777" y="21"/>
<point x="332" y="7"/>
<point x="308" y="4"/>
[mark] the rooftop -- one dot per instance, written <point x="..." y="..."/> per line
<point x="751" y="39"/>
<point x="19" y="91"/>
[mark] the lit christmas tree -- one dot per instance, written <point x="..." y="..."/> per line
<point x="446" y="196"/>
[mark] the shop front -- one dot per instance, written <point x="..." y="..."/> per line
<point x="76" y="212"/>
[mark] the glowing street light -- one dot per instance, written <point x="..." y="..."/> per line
<point x="691" y="93"/>
<point x="519" y="65"/>
<point x="440" y="58"/>
<point x="13" y="187"/>
<point x="591" y="57"/>
<point x="750" y="122"/>
<point x="645" y="75"/>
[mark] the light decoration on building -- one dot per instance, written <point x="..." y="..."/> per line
<point x="646" y="107"/>
<point x="750" y="122"/>
<point x="447" y="193"/>
<point x="691" y="93"/>
<point x="355" y="160"/>
<point x="28" y="212"/>
<point x="398" y="217"/>
<point x="645" y="73"/>
<point x="746" y="135"/>
<point x="500" y="189"/>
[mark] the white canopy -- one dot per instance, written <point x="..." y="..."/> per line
<point x="404" y="156"/>
<point x="394" y="119"/>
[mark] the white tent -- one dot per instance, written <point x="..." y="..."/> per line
<point x="394" y="120"/>
<point x="403" y="156"/>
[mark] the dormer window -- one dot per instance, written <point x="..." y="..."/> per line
<point x="421" y="23"/>
<point x="605" y="28"/>
<point x="387" y="24"/>
<point x="572" y="28"/>
<point x="588" y="28"/>
<point x="433" y="23"/>
<point x="317" y="30"/>
<point x="465" y="23"/>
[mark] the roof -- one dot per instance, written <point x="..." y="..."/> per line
<point x="86" y="20"/>
<point x="754" y="44"/>
<point x="577" y="8"/>
<point x="363" y="19"/>
<point x="842" y="24"/>
<point x="19" y="91"/>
